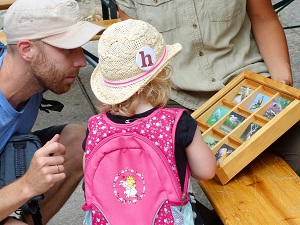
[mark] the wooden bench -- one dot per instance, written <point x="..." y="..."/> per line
<point x="265" y="192"/>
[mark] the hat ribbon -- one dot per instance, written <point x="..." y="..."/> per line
<point x="138" y="77"/>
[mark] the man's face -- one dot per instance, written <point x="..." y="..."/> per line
<point x="56" y="69"/>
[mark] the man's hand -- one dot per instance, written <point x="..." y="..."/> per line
<point x="46" y="168"/>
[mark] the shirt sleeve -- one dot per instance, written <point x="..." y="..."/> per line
<point x="184" y="136"/>
<point x="185" y="130"/>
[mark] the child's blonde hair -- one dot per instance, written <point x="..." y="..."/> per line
<point x="157" y="92"/>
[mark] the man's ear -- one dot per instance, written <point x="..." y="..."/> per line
<point x="26" y="49"/>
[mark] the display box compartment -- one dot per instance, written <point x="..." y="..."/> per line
<point x="244" y="118"/>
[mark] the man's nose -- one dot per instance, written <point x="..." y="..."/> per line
<point x="80" y="58"/>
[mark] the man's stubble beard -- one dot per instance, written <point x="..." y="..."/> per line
<point x="49" y="76"/>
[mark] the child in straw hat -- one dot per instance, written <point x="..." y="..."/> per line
<point x="132" y="83"/>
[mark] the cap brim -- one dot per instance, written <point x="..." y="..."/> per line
<point x="115" y="95"/>
<point x="75" y="37"/>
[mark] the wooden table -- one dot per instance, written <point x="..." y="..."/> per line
<point x="265" y="192"/>
<point x="2" y="37"/>
<point x="4" y="4"/>
<point x="104" y="23"/>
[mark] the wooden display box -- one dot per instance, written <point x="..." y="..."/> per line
<point x="269" y="109"/>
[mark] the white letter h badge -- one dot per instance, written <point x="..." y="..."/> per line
<point x="145" y="58"/>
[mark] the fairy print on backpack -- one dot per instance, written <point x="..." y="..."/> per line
<point x="129" y="186"/>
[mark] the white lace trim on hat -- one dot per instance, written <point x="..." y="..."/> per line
<point x="138" y="77"/>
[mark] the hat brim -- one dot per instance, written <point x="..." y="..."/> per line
<point x="79" y="34"/>
<point x="114" y="95"/>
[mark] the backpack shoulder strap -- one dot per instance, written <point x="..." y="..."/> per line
<point x="179" y="112"/>
<point x="15" y="160"/>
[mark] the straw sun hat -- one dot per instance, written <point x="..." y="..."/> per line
<point x="131" y="53"/>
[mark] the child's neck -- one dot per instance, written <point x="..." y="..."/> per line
<point x="143" y="107"/>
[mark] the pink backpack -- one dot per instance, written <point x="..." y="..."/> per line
<point x="130" y="173"/>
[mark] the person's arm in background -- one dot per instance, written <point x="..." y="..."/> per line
<point x="39" y="178"/>
<point x="271" y="40"/>
<point x="122" y="15"/>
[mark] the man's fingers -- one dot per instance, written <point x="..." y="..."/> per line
<point x="57" y="169"/>
<point x="51" y="147"/>
<point x="287" y="82"/>
<point x="58" y="177"/>
<point x="55" y="138"/>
